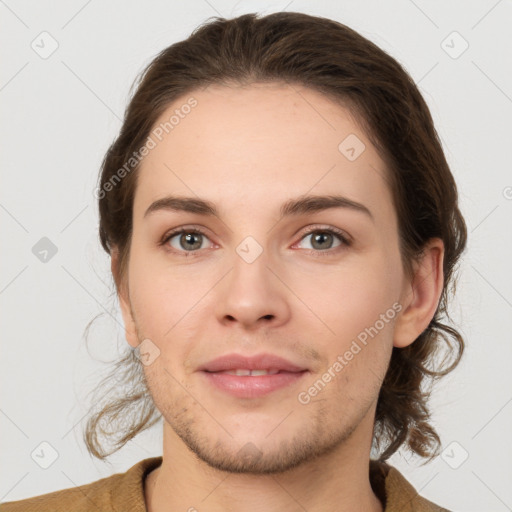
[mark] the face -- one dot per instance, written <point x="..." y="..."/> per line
<point x="320" y="287"/>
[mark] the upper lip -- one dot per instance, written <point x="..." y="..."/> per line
<point x="256" y="362"/>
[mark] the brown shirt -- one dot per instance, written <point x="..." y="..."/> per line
<point x="125" y="492"/>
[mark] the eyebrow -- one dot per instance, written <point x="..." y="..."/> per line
<point x="293" y="207"/>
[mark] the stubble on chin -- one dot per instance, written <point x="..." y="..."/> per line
<point x="211" y="442"/>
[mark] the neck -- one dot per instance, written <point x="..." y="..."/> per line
<point x="337" y="481"/>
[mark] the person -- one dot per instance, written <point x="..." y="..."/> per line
<point x="284" y="231"/>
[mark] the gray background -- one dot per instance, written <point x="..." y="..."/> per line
<point x="60" y="113"/>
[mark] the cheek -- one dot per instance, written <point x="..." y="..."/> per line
<point x="160" y="296"/>
<point x="169" y="311"/>
<point x="354" y="296"/>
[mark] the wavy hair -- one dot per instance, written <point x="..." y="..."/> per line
<point x="335" y="60"/>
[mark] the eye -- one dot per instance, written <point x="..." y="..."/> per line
<point x="322" y="239"/>
<point x="188" y="241"/>
<point x="185" y="240"/>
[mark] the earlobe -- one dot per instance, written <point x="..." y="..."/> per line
<point x="124" y="301"/>
<point x="421" y="296"/>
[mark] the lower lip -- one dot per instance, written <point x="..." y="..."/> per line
<point x="252" y="386"/>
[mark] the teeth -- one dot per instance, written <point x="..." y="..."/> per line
<point x="241" y="373"/>
<point x="246" y="373"/>
<point x="259" y="372"/>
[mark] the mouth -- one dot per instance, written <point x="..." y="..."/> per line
<point x="238" y="362"/>
<point x="249" y="373"/>
<point x="251" y="377"/>
<point x="253" y="384"/>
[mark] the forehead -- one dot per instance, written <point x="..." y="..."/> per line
<point x="259" y="145"/>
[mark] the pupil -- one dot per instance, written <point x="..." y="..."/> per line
<point x="189" y="239"/>
<point x="319" y="238"/>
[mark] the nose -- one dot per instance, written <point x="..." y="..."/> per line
<point x="252" y="295"/>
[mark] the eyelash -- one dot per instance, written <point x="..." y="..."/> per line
<point x="346" y="242"/>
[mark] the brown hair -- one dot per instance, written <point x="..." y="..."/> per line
<point x="331" y="58"/>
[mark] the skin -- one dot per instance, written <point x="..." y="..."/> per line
<point x="248" y="150"/>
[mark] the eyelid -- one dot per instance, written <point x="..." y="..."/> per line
<point x="183" y="229"/>
<point x="344" y="236"/>
<point x="344" y="239"/>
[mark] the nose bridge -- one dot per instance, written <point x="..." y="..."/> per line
<point x="251" y="291"/>
<point x="251" y="265"/>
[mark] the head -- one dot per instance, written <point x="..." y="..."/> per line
<point x="244" y="117"/>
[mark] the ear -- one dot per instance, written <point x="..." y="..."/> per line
<point x="420" y="295"/>
<point x="124" y="301"/>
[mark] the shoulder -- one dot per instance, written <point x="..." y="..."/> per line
<point x="399" y="494"/>
<point x="122" y="491"/>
